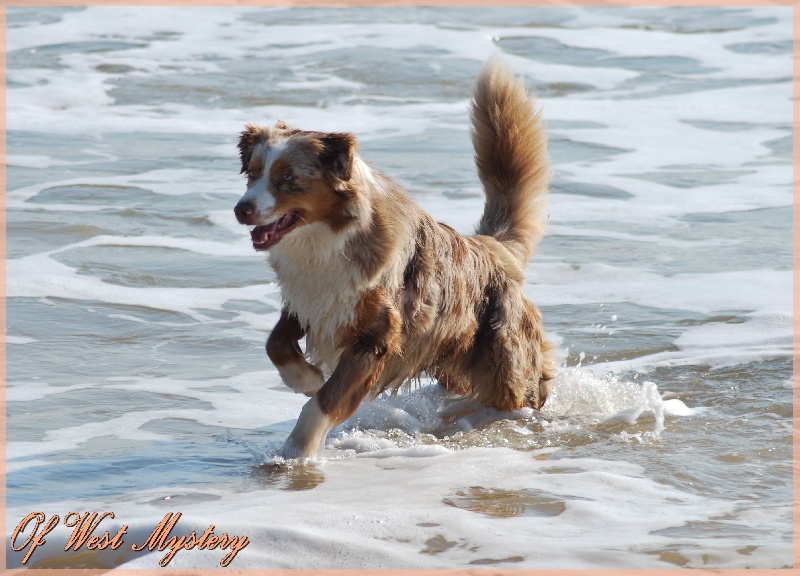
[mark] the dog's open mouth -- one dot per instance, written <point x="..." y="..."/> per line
<point x="266" y="236"/>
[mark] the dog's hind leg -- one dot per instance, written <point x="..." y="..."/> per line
<point x="283" y="349"/>
<point x="511" y="363"/>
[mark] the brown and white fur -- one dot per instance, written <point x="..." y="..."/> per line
<point x="380" y="290"/>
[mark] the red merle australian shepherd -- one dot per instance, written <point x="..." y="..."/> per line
<point x="380" y="290"/>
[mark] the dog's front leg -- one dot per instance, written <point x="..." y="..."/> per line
<point x="355" y="375"/>
<point x="283" y="349"/>
<point x="371" y="340"/>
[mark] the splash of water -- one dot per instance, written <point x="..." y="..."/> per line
<point x="424" y="421"/>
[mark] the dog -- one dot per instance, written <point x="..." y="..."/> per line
<point x="382" y="292"/>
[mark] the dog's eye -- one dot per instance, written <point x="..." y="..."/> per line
<point x="287" y="177"/>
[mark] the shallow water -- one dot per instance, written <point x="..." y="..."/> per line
<point x="137" y="310"/>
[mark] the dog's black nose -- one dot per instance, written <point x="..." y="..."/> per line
<point x="244" y="209"/>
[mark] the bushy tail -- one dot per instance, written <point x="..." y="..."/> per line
<point x="511" y="155"/>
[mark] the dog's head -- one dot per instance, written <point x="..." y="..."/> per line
<point x="295" y="179"/>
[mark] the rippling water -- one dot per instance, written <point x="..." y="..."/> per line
<point x="137" y="310"/>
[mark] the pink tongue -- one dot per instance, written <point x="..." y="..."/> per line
<point x="265" y="234"/>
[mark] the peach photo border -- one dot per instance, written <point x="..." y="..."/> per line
<point x="408" y="572"/>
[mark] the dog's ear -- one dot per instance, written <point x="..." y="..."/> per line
<point x="338" y="153"/>
<point x="247" y="141"/>
<point x="281" y="125"/>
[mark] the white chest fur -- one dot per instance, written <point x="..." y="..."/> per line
<point x="320" y="286"/>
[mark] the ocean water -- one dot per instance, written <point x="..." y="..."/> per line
<point x="137" y="310"/>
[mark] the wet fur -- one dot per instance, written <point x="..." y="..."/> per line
<point x="381" y="291"/>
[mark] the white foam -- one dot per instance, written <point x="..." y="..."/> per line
<point x="707" y="49"/>
<point x="577" y="392"/>
<point x="757" y="290"/>
<point x="360" y="442"/>
<point x="20" y="340"/>
<point x="37" y="161"/>
<point x="421" y="451"/>
<point x="86" y="93"/>
<point x="173" y="182"/>
<point x="250" y="400"/>
<point x="654" y="132"/>
<point x="390" y="514"/>
<point x="39" y="276"/>
<point x="320" y="84"/>
<point x="577" y="398"/>
<point x="586" y="232"/>
<point x="26" y="391"/>
<point x="757" y="337"/>
<point x="242" y="248"/>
